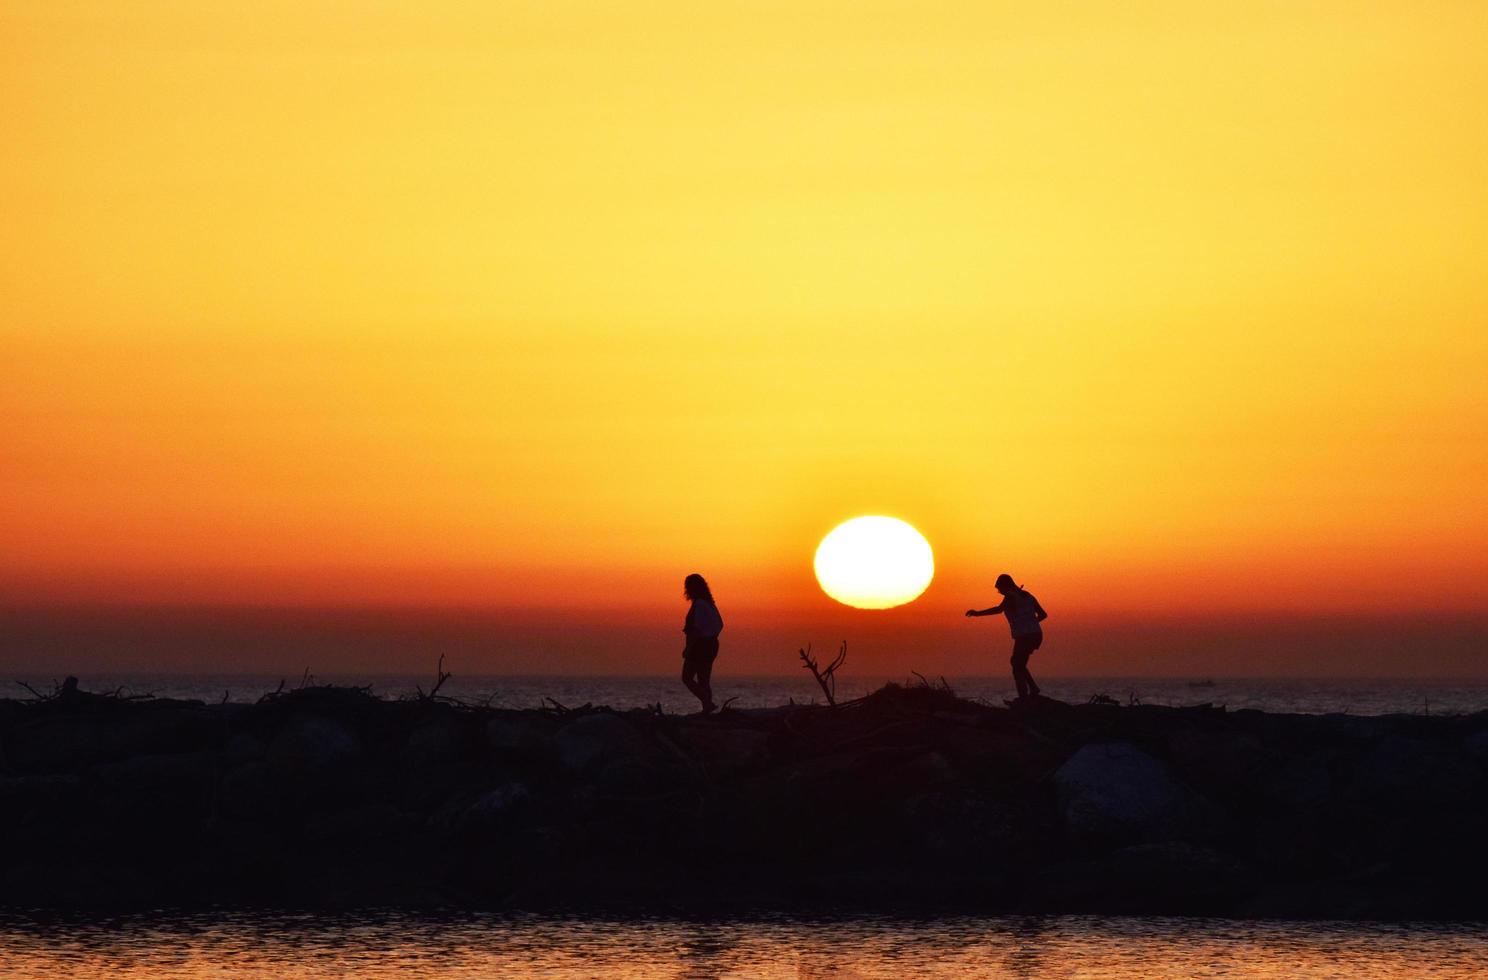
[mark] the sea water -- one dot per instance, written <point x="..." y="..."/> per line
<point x="249" y="946"/>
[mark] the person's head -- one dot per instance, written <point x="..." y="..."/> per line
<point x="695" y="586"/>
<point x="1005" y="583"/>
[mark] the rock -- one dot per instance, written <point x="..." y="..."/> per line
<point x="588" y="743"/>
<point x="1477" y="746"/>
<point x="253" y="791"/>
<point x="1114" y="792"/>
<point x="106" y="732"/>
<point x="242" y="748"/>
<point x="634" y="777"/>
<point x="309" y="743"/>
<point x="1218" y="760"/>
<point x="494" y="806"/>
<point x="517" y="733"/>
<point x="1299" y="784"/>
<point x="438" y="740"/>
<point x="924" y="772"/>
<point x="157" y="774"/>
<point x="1407" y="773"/>
<point x="26" y="800"/>
<point x="896" y="802"/>
<point x="368" y="824"/>
<point x="61" y="743"/>
<point x="966" y="831"/>
<point x="727" y="750"/>
<point x="485" y="811"/>
<point x="1170" y="877"/>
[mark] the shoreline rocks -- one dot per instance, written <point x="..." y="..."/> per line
<point x="907" y="800"/>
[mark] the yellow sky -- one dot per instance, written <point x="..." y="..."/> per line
<point x="484" y="304"/>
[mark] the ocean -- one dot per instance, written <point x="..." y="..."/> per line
<point x="260" y="945"/>
<point x="1304" y="696"/>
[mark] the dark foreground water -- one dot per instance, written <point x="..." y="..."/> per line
<point x="1307" y="696"/>
<point x="388" y="945"/>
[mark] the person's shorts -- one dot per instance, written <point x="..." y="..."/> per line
<point x="702" y="648"/>
<point x="1025" y="645"/>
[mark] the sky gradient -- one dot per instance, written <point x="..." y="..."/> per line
<point x="521" y="312"/>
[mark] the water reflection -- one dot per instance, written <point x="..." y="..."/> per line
<point x="308" y="947"/>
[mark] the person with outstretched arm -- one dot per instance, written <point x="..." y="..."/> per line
<point x="1025" y="618"/>
<point x="702" y="628"/>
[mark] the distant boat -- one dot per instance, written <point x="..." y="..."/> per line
<point x="1203" y="683"/>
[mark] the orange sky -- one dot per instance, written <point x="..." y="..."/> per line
<point x="1170" y="309"/>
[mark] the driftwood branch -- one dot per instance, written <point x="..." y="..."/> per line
<point x="440" y="676"/>
<point x="35" y="693"/>
<point x="826" y="677"/>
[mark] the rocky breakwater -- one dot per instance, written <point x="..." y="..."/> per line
<point x="908" y="799"/>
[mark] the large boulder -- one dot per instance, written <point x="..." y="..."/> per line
<point x="485" y="810"/>
<point x="69" y="739"/>
<point x="1171" y="877"/>
<point x="966" y="832"/>
<point x="243" y="748"/>
<point x="309" y="743"/>
<point x="1222" y="762"/>
<point x="1407" y="773"/>
<point x="595" y="741"/>
<point x="517" y="733"/>
<point x="33" y="802"/>
<point x="61" y="743"/>
<point x="438" y="740"/>
<point x="493" y="808"/>
<point x="1477" y="745"/>
<point x="1114" y="792"/>
<point x="727" y="750"/>
<point x="616" y="757"/>
<point x="182" y="773"/>
<point x="369" y="824"/>
<point x="252" y="792"/>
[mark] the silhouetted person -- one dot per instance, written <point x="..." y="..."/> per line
<point x="702" y="628"/>
<point x="1024" y="616"/>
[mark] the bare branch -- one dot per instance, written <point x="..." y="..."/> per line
<point x="35" y="693"/>
<point x="440" y="676"/>
<point x="825" y="679"/>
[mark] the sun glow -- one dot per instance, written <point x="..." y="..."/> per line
<point x="874" y="563"/>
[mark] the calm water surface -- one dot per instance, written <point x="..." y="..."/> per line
<point x="388" y="945"/>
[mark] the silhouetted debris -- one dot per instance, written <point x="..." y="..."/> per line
<point x="826" y="677"/>
<point x="909" y="798"/>
<point x="440" y="676"/>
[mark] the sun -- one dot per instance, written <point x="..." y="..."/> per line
<point x="874" y="563"/>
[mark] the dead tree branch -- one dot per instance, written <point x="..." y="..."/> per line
<point x="440" y="676"/>
<point x="825" y="678"/>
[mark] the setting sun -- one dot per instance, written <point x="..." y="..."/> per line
<point x="874" y="563"/>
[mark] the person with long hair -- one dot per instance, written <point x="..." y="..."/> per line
<point x="701" y="629"/>
<point x="1025" y="619"/>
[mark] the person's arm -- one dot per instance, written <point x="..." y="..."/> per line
<point x="986" y="612"/>
<point x="687" y="624"/>
<point x="1038" y="610"/>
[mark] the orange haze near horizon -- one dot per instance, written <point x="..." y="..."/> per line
<point x="1173" y="310"/>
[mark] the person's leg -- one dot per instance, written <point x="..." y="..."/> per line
<point x="1020" y="669"/>
<point x="707" y="655"/>
<point x="689" y="677"/>
<point x="704" y="682"/>
<point x="1033" y="687"/>
<point x="1031" y="644"/>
